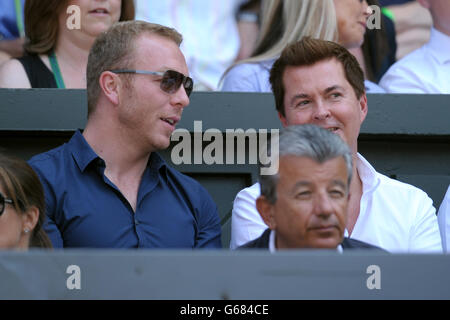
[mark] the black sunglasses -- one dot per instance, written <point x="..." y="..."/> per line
<point x="4" y="200"/>
<point x="170" y="82"/>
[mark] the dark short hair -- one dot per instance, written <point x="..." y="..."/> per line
<point x="308" y="52"/>
<point x="309" y="141"/>
<point x="114" y="49"/>
<point x="41" y="19"/>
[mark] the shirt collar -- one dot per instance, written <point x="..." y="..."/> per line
<point x="84" y="154"/>
<point x="440" y="45"/>
<point x="82" y="151"/>
<point x="273" y="249"/>
<point x="368" y="174"/>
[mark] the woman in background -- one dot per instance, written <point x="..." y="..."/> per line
<point x="56" y="55"/>
<point x="287" y="21"/>
<point x="22" y="206"/>
<point x="282" y="22"/>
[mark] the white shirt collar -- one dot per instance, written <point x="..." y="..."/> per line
<point x="273" y="249"/>
<point x="369" y="178"/>
<point x="440" y="45"/>
<point x="368" y="174"/>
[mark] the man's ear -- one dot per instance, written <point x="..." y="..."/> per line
<point x="110" y="84"/>
<point x="30" y="218"/>
<point x="266" y="211"/>
<point x="364" y="108"/>
<point x="282" y="119"/>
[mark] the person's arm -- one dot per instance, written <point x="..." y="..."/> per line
<point x="246" y="223"/>
<point x="13" y="75"/>
<point x="444" y="221"/>
<point x="210" y="231"/>
<point x="14" y="47"/>
<point x="425" y="236"/>
<point x="50" y="226"/>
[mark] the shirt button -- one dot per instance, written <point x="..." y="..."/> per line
<point x="136" y="222"/>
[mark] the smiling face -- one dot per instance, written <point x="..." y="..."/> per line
<point x="146" y="112"/>
<point x="311" y="206"/>
<point x="351" y="18"/>
<point x="320" y="94"/>
<point x="96" y="15"/>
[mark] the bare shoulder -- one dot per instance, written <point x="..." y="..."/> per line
<point x="13" y="75"/>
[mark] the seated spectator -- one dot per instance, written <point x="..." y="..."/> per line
<point x="22" y="206"/>
<point x="444" y="221"/>
<point x="56" y="56"/>
<point x="342" y="21"/>
<point x="384" y="212"/>
<point x="427" y="69"/>
<point x="378" y="50"/>
<point x="210" y="30"/>
<point x="11" y="29"/>
<point x="108" y="187"/>
<point x="305" y="203"/>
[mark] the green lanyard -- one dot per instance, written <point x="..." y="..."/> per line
<point x="56" y="71"/>
<point x="19" y="18"/>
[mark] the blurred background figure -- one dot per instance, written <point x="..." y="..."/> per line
<point x="12" y="30"/>
<point x="215" y="33"/>
<point x="22" y="206"/>
<point x="287" y="21"/>
<point x="412" y="24"/>
<point x="378" y="51"/>
<point x="427" y="69"/>
<point x="282" y="22"/>
<point x="56" y="55"/>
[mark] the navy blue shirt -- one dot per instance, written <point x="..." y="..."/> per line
<point x="85" y="209"/>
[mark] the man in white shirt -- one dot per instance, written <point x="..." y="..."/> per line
<point x="320" y="82"/>
<point x="427" y="69"/>
<point x="444" y="221"/>
<point x="305" y="202"/>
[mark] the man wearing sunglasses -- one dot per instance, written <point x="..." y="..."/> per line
<point x="107" y="187"/>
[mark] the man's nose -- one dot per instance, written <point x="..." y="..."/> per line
<point x="321" y="111"/>
<point x="180" y="98"/>
<point x="322" y="205"/>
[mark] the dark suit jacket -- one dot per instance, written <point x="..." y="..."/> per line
<point x="263" y="243"/>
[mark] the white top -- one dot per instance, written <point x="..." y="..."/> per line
<point x="254" y="77"/>
<point x="444" y="221"/>
<point x="209" y="29"/>
<point x="425" y="70"/>
<point x="272" y="247"/>
<point x="393" y="215"/>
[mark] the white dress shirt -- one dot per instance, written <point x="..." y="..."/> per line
<point x="444" y="221"/>
<point x="425" y="70"/>
<point x="394" y="216"/>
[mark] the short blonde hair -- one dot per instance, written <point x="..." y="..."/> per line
<point x="114" y="49"/>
